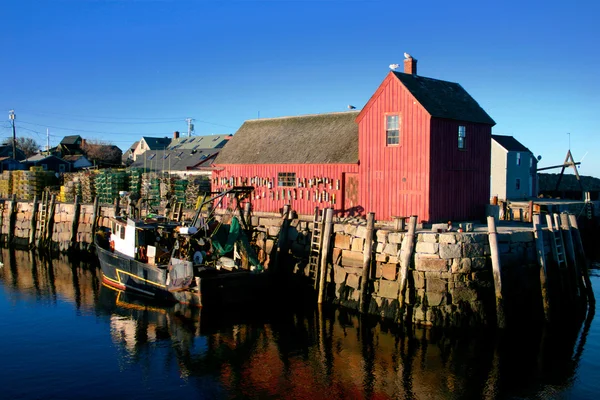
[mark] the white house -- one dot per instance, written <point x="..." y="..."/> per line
<point x="513" y="170"/>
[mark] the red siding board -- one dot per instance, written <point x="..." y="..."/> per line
<point x="460" y="179"/>
<point x="265" y="198"/>
<point x="394" y="178"/>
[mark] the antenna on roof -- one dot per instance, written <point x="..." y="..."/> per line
<point x="190" y="126"/>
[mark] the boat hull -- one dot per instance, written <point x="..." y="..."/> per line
<point x="214" y="288"/>
<point x="125" y="273"/>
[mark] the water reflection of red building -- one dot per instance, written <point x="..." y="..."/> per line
<point x="304" y="354"/>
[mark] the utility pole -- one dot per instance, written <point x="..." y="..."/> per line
<point x="11" y="116"/>
<point x="47" y="141"/>
<point x="190" y="126"/>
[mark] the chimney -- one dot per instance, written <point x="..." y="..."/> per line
<point x="82" y="143"/>
<point x="176" y="135"/>
<point x="410" y="66"/>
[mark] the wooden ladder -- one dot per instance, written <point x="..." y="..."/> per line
<point x="177" y="211"/>
<point x="43" y="217"/>
<point x="557" y="243"/>
<point x="316" y="241"/>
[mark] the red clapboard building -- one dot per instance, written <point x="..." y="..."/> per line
<point x="420" y="146"/>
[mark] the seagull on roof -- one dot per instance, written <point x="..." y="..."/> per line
<point x="406" y="55"/>
<point x="394" y="66"/>
<point x="351" y="107"/>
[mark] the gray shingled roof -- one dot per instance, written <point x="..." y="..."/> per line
<point x="174" y="160"/>
<point x="308" y="139"/>
<point x="198" y="142"/>
<point x="155" y="143"/>
<point x="72" y="139"/>
<point x="444" y="99"/>
<point x="510" y="143"/>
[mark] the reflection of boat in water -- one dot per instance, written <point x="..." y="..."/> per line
<point x="186" y="264"/>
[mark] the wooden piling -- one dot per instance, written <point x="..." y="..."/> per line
<point x="565" y="275"/>
<point x="584" y="265"/>
<point x="33" y="225"/>
<point x="117" y="207"/>
<point x="366" y="268"/>
<point x="281" y="241"/>
<point x="75" y="226"/>
<point x="12" y="216"/>
<point x="2" y="207"/>
<point x="497" y="271"/>
<point x="95" y="212"/>
<point x="325" y="249"/>
<point x="247" y="211"/>
<point x="50" y="220"/>
<point x="570" y="248"/>
<point x="408" y="246"/>
<point x="541" y="255"/>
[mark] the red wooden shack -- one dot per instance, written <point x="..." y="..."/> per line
<point x="420" y="146"/>
<point x="301" y="161"/>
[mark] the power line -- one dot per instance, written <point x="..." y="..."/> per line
<point x="90" y="131"/>
<point x="96" y="117"/>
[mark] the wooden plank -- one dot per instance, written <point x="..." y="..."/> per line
<point x="497" y="271"/>
<point x="33" y="225"/>
<point x="366" y="267"/>
<point x="406" y="253"/>
<point x="541" y="255"/>
<point x="75" y="222"/>
<point x="589" y="291"/>
<point x="325" y="250"/>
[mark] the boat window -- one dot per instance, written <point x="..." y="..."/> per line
<point x="286" y="179"/>
<point x="122" y="232"/>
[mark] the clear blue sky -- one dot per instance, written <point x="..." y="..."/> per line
<point x="114" y="70"/>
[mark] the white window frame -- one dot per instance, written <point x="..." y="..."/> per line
<point x="286" y="179"/>
<point x="518" y="158"/>
<point x="392" y="133"/>
<point x="462" y="137"/>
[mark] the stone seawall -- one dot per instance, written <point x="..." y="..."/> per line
<point x="450" y="278"/>
<point x="449" y="281"/>
<point x="63" y="235"/>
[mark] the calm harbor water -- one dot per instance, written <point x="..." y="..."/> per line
<point x="64" y="336"/>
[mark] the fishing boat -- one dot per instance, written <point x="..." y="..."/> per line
<point x="205" y="262"/>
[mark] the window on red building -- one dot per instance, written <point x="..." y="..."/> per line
<point x="392" y="129"/>
<point x="286" y="179"/>
<point x="462" y="137"/>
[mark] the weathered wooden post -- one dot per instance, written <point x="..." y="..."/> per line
<point x="12" y="214"/>
<point x="497" y="271"/>
<point x="2" y="208"/>
<point x="584" y="267"/>
<point x="570" y="247"/>
<point x="117" y="207"/>
<point x="325" y="249"/>
<point x="406" y="251"/>
<point x="530" y="211"/>
<point x="247" y="211"/>
<point x="95" y="212"/>
<point x="366" y="271"/>
<point x="33" y="225"/>
<point x="539" y="245"/>
<point x="75" y="226"/>
<point x="281" y="241"/>
<point x="566" y="280"/>
<point x="50" y="221"/>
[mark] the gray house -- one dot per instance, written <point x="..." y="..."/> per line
<point x="513" y="169"/>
